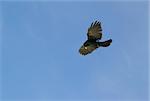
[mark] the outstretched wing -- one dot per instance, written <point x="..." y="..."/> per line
<point x="95" y="31"/>
<point x="84" y="50"/>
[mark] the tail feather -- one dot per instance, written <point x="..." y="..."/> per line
<point x="105" y="43"/>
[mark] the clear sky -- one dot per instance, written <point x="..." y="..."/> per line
<point x="40" y="58"/>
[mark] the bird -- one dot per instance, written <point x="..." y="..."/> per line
<point x="94" y="35"/>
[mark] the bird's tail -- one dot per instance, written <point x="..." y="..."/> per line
<point x="105" y="43"/>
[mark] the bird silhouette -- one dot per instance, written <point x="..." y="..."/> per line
<point x="94" y="34"/>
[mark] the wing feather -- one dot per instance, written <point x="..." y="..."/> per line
<point x="95" y="31"/>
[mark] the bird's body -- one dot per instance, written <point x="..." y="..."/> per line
<point x="94" y="35"/>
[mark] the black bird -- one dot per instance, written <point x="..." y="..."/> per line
<point x="94" y="34"/>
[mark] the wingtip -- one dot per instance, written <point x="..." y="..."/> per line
<point x="96" y="22"/>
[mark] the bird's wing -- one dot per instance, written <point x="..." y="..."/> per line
<point x="95" y="31"/>
<point x="86" y="50"/>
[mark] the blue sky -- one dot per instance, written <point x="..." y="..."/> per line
<point x="40" y="59"/>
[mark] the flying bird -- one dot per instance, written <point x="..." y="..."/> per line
<point x="94" y="34"/>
